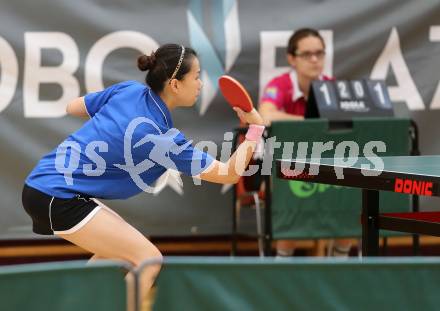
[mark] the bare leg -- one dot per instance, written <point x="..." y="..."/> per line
<point x="129" y="281"/>
<point x="339" y="247"/>
<point x="95" y="258"/>
<point x="285" y="248"/>
<point x="107" y="235"/>
<point x="344" y="243"/>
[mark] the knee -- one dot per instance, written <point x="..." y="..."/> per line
<point x="152" y="269"/>
<point x="155" y="254"/>
<point x="149" y="254"/>
<point x="158" y="259"/>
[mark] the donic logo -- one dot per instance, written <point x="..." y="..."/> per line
<point x="215" y="34"/>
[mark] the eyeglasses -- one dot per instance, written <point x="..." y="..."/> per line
<point x="308" y="55"/>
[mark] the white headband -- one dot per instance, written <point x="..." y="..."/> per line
<point x="178" y="64"/>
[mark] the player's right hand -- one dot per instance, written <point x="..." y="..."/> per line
<point x="252" y="117"/>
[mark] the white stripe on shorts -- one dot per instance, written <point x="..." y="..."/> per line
<point x="82" y="223"/>
<point x="50" y="213"/>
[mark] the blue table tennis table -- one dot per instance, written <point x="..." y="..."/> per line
<point x="411" y="175"/>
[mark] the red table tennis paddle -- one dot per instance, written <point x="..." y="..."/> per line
<point x="234" y="93"/>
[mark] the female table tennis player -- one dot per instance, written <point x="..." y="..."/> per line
<point x="64" y="204"/>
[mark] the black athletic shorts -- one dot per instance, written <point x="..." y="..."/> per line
<point x="51" y="215"/>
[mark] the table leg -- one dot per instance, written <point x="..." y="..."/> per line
<point x="370" y="216"/>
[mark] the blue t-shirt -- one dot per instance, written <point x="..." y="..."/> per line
<point x="127" y="144"/>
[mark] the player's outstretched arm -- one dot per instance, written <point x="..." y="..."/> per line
<point x="229" y="172"/>
<point x="77" y="108"/>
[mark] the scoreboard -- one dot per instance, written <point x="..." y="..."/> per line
<point x="346" y="99"/>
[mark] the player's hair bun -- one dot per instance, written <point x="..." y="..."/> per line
<point x="146" y="62"/>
